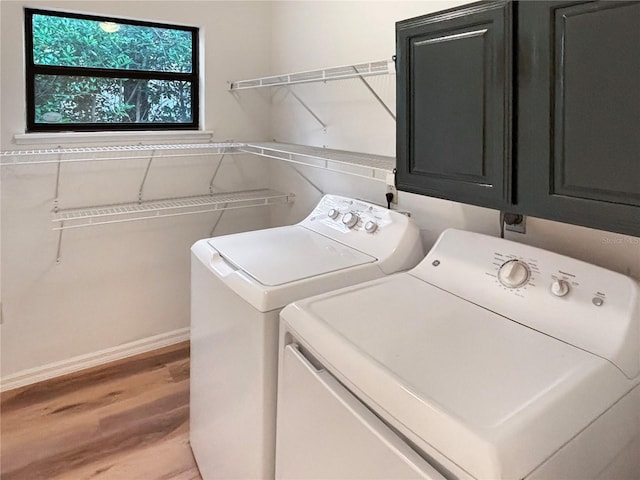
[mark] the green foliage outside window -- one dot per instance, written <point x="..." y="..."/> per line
<point x="81" y="72"/>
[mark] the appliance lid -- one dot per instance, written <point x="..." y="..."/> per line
<point x="276" y="256"/>
<point x="495" y="397"/>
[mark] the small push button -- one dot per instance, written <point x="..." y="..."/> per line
<point x="597" y="301"/>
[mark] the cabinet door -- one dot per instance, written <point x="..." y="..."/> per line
<point x="454" y="104"/>
<point x="578" y="123"/>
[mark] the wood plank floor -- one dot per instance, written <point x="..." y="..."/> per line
<point x="127" y="420"/>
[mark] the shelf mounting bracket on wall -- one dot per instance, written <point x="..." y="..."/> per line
<point x="215" y="225"/>
<point x="59" y="242"/>
<point x="57" y="192"/>
<point x="144" y="178"/>
<point x="215" y="173"/>
<point x="55" y="205"/>
<point x="306" y="107"/>
<point x="306" y="179"/>
<point x="211" y="192"/>
<point x="373" y="92"/>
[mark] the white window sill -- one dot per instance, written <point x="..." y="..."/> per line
<point x="63" y="138"/>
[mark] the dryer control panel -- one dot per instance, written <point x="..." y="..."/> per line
<point x="388" y="235"/>
<point x="581" y="304"/>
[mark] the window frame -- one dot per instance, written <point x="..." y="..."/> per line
<point x="32" y="69"/>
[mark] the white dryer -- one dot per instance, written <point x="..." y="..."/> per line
<point x="239" y="284"/>
<point x="489" y="360"/>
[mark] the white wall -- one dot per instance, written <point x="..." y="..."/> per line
<point x="121" y="283"/>
<point x="353" y="32"/>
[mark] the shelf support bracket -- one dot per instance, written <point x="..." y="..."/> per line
<point x="215" y="173"/>
<point x="306" y="107"/>
<point x="59" y="242"/>
<point x="215" y="225"/>
<point x="56" y="206"/>
<point x="373" y="92"/>
<point x="305" y="178"/>
<point x="55" y="199"/>
<point x="144" y="178"/>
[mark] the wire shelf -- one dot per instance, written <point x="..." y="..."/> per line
<point x="359" y="164"/>
<point x="377" y="167"/>
<point x="381" y="67"/>
<point x="113" y="152"/>
<point x="127" y="212"/>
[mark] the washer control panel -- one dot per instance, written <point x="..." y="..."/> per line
<point x="389" y="236"/>
<point x="581" y="304"/>
<point x="520" y="275"/>
<point x="346" y="214"/>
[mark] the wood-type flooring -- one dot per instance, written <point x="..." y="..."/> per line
<point x="126" y="420"/>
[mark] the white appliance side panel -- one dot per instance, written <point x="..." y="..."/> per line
<point x="608" y="448"/>
<point x="324" y="432"/>
<point x="233" y="378"/>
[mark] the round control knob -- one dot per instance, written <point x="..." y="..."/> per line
<point x="370" y="226"/>
<point x="333" y="213"/>
<point x="559" y="287"/>
<point x="350" y="219"/>
<point x="514" y="273"/>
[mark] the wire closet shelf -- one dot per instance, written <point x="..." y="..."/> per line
<point x="375" y="167"/>
<point x="127" y="212"/>
<point x="114" y="152"/>
<point x="368" y="69"/>
<point x="371" y="166"/>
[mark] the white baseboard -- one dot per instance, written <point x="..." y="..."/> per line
<point x="74" y="364"/>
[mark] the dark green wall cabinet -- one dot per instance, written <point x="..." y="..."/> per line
<point x="532" y="107"/>
<point x="454" y="104"/>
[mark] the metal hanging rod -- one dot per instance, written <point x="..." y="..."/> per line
<point x="88" y="154"/>
<point x="381" y="67"/>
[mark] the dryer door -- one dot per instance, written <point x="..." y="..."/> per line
<point x="325" y="432"/>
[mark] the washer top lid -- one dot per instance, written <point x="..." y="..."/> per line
<point x="495" y="397"/>
<point x="277" y="256"/>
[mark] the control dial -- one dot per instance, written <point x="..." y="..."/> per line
<point x="333" y="213"/>
<point x="514" y="273"/>
<point x="350" y="219"/>
<point x="370" y="226"/>
<point x="559" y="287"/>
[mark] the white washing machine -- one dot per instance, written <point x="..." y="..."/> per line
<point x="489" y="360"/>
<point x="239" y="284"/>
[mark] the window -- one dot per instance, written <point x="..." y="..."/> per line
<point x="94" y="73"/>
